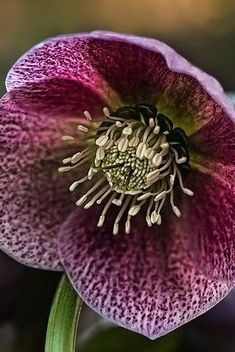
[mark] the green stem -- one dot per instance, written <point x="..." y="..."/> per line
<point x="63" y="320"/>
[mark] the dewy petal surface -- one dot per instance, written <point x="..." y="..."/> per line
<point x="134" y="69"/>
<point x="34" y="198"/>
<point x="145" y="281"/>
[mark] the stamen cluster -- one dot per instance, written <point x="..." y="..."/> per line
<point x="135" y="160"/>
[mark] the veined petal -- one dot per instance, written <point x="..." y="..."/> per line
<point x="208" y="217"/>
<point x="34" y="199"/>
<point x="65" y="99"/>
<point x="143" y="69"/>
<point x="214" y="142"/>
<point x="63" y="58"/>
<point x="138" y="69"/>
<point x="145" y="281"/>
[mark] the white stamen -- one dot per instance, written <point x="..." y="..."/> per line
<point x="119" y="201"/>
<point x="188" y="191"/>
<point x="127" y="131"/>
<point x="108" y="145"/>
<point x="67" y="160"/>
<point x="157" y="159"/>
<point x="106" y="112"/>
<point x="141" y="149"/>
<point x="151" y="122"/>
<point x="104" y="196"/>
<point x="67" y="138"/>
<point x="144" y="196"/>
<point x="127" y="226"/>
<point x="81" y="200"/>
<point x="159" y="219"/>
<point x="164" y="145"/>
<point x="119" y="216"/>
<point x="84" y="197"/>
<point x="100" y="154"/>
<point x="160" y="196"/>
<point x="149" y="153"/>
<point x="96" y="196"/>
<point x="82" y="128"/>
<point x="177" y="159"/>
<point x="160" y="140"/>
<point x="154" y="217"/>
<point x="148" y="219"/>
<point x="118" y="124"/>
<point x="101" y="221"/>
<point x="156" y="129"/>
<point x="102" y="140"/>
<point x="185" y="190"/>
<point x="87" y="115"/>
<point x="123" y="144"/>
<point x="153" y="176"/>
<point x="102" y="216"/>
<point x="134" y="210"/>
<point x="181" y="160"/>
<point x="134" y="141"/>
<point x="76" y="157"/>
<point x="64" y="168"/>
<point x="176" y="211"/>
<point x="76" y="183"/>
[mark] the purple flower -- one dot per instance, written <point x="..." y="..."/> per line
<point x="153" y="149"/>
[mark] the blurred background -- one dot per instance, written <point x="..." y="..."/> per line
<point x="201" y="30"/>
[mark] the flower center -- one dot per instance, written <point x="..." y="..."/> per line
<point x="135" y="159"/>
<point x="125" y="171"/>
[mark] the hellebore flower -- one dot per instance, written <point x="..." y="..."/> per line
<point x="147" y="151"/>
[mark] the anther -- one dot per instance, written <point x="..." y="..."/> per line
<point x="127" y="131"/>
<point x="106" y="112"/>
<point x="67" y="160"/>
<point x="82" y="128"/>
<point x="157" y="159"/>
<point x="87" y="115"/>
<point x="67" y="138"/>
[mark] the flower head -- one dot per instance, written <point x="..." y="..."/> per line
<point x="147" y="150"/>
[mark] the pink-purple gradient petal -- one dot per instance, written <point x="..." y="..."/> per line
<point x="34" y="196"/>
<point x="215" y="142"/>
<point x="131" y="68"/>
<point x="208" y="218"/>
<point x="146" y="281"/>
<point x="32" y="206"/>
<point x="63" y="58"/>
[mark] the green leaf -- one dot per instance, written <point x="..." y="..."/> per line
<point x="63" y="320"/>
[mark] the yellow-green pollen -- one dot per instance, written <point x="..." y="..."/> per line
<point x="125" y="171"/>
<point x="131" y="163"/>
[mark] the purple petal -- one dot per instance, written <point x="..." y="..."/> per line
<point x="145" y="281"/>
<point x="147" y="70"/>
<point x="34" y="199"/>
<point x="209" y="218"/>
<point x="138" y="69"/>
<point x="64" y="58"/>
<point x="215" y="141"/>
<point x="59" y="97"/>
